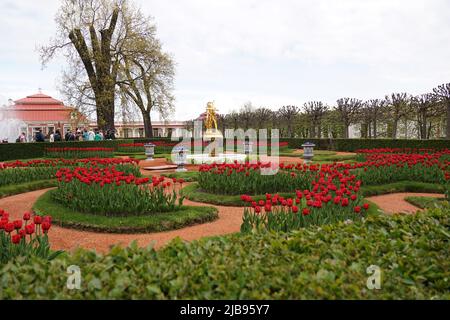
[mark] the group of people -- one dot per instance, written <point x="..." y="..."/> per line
<point x="76" y="135"/>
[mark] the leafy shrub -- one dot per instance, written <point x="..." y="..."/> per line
<point x="329" y="262"/>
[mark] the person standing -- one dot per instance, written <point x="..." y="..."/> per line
<point x="85" y="135"/>
<point x="39" y="136"/>
<point x="98" y="136"/>
<point x="22" y="138"/>
<point x="57" y="137"/>
<point x="91" y="135"/>
<point x="51" y="137"/>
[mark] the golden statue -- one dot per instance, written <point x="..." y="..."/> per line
<point x="211" y="119"/>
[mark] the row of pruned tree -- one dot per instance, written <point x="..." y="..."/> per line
<point x="421" y="116"/>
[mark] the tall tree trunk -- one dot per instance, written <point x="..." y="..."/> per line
<point x="375" y="128"/>
<point x="346" y="131"/>
<point x="148" y="129"/>
<point x="394" y="128"/>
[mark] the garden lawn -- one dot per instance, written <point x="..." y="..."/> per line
<point x="327" y="262"/>
<point x="155" y="222"/>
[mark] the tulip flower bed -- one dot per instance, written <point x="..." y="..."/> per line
<point x="79" y="153"/>
<point x="24" y="238"/>
<point x="131" y="148"/>
<point x="235" y="178"/>
<point x="380" y="168"/>
<point x="107" y="191"/>
<point x="334" y="196"/>
<point x="19" y="172"/>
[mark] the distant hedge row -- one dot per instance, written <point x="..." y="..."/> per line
<point x="355" y="144"/>
<point x="12" y="151"/>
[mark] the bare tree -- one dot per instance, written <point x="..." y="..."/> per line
<point x="425" y="108"/>
<point x="263" y="117"/>
<point x="442" y="92"/>
<point x="348" y="109"/>
<point x="397" y="109"/>
<point x="288" y="114"/>
<point x="146" y="78"/>
<point x="94" y="32"/>
<point x="246" y="115"/>
<point x="315" y="111"/>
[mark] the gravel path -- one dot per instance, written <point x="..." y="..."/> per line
<point x="395" y="202"/>
<point x="229" y="221"/>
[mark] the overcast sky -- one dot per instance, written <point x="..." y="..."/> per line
<point x="268" y="52"/>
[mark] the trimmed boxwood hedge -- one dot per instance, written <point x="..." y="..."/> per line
<point x="355" y="144"/>
<point x="329" y="262"/>
<point x="13" y="151"/>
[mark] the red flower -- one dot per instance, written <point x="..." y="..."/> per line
<point x="268" y="207"/>
<point x="26" y="216"/>
<point x="306" y="211"/>
<point x="353" y="197"/>
<point x="16" y="238"/>
<point x="257" y="209"/>
<point x="357" y="209"/>
<point x="9" y="227"/>
<point x="46" y="226"/>
<point x="366" y="206"/>
<point x="29" y="229"/>
<point x="294" y="209"/>
<point x="37" y="220"/>
<point x="17" y="224"/>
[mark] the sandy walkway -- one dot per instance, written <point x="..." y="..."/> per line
<point x="229" y="221"/>
<point x="395" y="202"/>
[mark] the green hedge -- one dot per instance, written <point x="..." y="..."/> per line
<point x="355" y="144"/>
<point x="13" y="151"/>
<point x="330" y="262"/>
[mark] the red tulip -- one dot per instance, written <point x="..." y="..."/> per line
<point x="17" y="224"/>
<point x="16" y="239"/>
<point x="9" y="227"/>
<point x="37" y="220"/>
<point x="357" y="209"/>
<point x="306" y="211"/>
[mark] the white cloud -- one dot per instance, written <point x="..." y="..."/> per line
<point x="269" y="52"/>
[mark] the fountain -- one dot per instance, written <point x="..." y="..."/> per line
<point x="9" y="126"/>
<point x="215" y="136"/>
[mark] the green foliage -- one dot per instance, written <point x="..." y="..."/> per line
<point x="329" y="262"/>
<point x="188" y="176"/>
<point x="12" y="176"/>
<point x="352" y="145"/>
<point x="193" y="192"/>
<point x="402" y="186"/>
<point x="6" y="191"/>
<point x="236" y="182"/>
<point x="427" y="202"/>
<point x="13" y="151"/>
<point x="182" y="217"/>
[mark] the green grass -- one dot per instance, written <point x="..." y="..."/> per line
<point x="188" y="176"/>
<point x="65" y="217"/>
<point x="426" y="202"/>
<point x="327" y="262"/>
<point x="9" y="190"/>
<point x="402" y="186"/>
